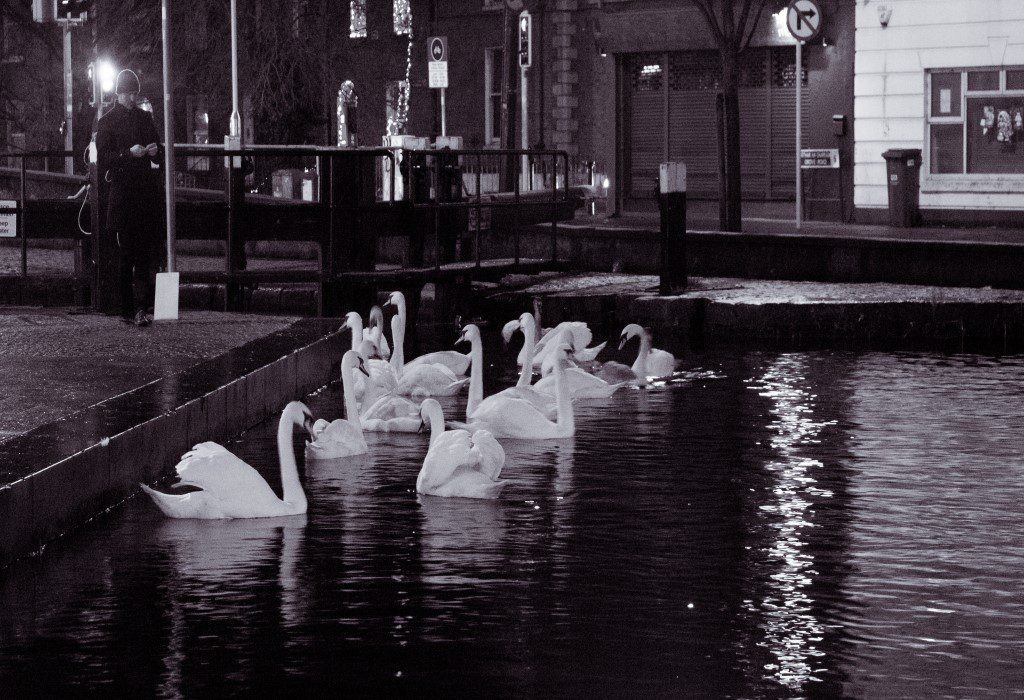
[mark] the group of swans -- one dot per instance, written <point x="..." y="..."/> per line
<point x="465" y="461"/>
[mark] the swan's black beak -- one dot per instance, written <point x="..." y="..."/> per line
<point x="362" y="367"/>
<point x="423" y="426"/>
<point x="307" y="422"/>
<point x="622" y="341"/>
<point x="388" y="303"/>
<point x="462" y="339"/>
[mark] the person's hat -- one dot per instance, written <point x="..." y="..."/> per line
<point x="127" y="81"/>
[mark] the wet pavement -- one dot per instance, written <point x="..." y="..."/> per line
<point x="55" y="362"/>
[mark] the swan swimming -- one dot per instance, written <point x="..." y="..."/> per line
<point x="423" y="380"/>
<point x="458" y="464"/>
<point x="522" y="390"/>
<point x="455" y="361"/>
<point x="391" y="413"/>
<point x="230" y="488"/>
<point x="341" y="437"/>
<point x="375" y="332"/>
<point x="516" y="418"/>
<point x="650" y="362"/>
<point x="581" y="337"/>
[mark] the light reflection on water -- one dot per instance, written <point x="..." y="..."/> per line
<point x="762" y="524"/>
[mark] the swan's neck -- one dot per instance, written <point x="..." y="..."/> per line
<point x="398" y="351"/>
<point x="351" y="409"/>
<point x="476" y="379"/>
<point x="640" y="366"/>
<point x="357" y="334"/>
<point x="530" y="345"/>
<point x="566" y="419"/>
<point x="291" y="487"/>
<point x="436" y="426"/>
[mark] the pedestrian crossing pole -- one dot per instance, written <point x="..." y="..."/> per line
<point x="165" y="306"/>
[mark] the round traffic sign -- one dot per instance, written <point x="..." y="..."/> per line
<point x="437" y="49"/>
<point x="804" y="20"/>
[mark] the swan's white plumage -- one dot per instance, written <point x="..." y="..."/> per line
<point x="230" y="488"/>
<point x="455" y="361"/>
<point x="458" y="464"/>
<point x="580" y="384"/>
<point x="391" y="414"/>
<point x="342" y="437"/>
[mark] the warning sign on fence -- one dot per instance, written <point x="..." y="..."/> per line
<point x="8" y="220"/>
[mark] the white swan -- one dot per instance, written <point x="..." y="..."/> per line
<point x="457" y="464"/>
<point x="341" y="437"/>
<point x="581" y="337"/>
<point x="422" y="380"/>
<point x="375" y="332"/>
<point x="517" y="418"/>
<point x="230" y="488"/>
<point x="522" y="390"/>
<point x="457" y="362"/>
<point x="650" y="362"/>
<point x="390" y="412"/>
<point x="579" y="383"/>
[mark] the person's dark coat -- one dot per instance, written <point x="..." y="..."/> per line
<point x="133" y="204"/>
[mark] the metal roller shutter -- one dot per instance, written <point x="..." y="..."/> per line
<point x="689" y="81"/>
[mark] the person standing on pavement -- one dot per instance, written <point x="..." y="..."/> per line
<point x="127" y="144"/>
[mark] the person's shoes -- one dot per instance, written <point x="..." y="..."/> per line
<point x="141" y="319"/>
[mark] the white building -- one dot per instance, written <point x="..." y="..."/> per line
<point x="947" y="77"/>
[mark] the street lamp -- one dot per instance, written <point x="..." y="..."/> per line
<point x="106" y="73"/>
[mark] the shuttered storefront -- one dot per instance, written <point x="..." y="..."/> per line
<point x="669" y="114"/>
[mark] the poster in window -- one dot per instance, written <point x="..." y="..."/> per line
<point x="995" y="144"/>
<point x="945" y="101"/>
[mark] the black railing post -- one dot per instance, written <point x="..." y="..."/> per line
<point x="234" y="290"/>
<point x="554" y="208"/>
<point x="515" y="216"/>
<point x="23" y="207"/>
<point x="479" y="208"/>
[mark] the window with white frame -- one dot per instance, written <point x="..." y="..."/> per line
<point x="492" y="96"/>
<point x="976" y="121"/>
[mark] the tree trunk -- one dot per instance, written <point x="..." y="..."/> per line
<point x="730" y="91"/>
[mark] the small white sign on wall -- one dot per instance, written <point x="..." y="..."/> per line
<point x="945" y="100"/>
<point x="8" y="220"/>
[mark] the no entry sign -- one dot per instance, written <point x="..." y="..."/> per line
<point x="804" y="19"/>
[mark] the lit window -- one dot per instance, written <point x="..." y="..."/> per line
<point x="976" y="122"/>
<point x="403" y="17"/>
<point x="357" y="19"/>
<point x="492" y="96"/>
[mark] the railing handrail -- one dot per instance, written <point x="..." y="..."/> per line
<point x="38" y="154"/>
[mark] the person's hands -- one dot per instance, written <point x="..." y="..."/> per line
<point x="137" y="151"/>
<point x="152" y="149"/>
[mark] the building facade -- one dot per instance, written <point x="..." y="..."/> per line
<point x="947" y="77"/>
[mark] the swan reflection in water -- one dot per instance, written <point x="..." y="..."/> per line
<point x="212" y="561"/>
<point x="792" y="631"/>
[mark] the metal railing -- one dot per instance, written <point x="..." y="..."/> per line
<point x="521" y="167"/>
<point x="21" y="207"/>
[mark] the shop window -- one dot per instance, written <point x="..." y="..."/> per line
<point x="492" y="96"/>
<point x="357" y="19"/>
<point x="784" y="68"/>
<point x="647" y="73"/>
<point x="976" y="122"/>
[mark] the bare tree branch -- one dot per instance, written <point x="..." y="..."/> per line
<point x="708" y="12"/>
<point x="753" y="26"/>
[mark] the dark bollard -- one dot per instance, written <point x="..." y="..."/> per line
<point x="235" y="261"/>
<point x="672" y="206"/>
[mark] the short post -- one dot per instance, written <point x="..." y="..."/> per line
<point x="672" y="206"/>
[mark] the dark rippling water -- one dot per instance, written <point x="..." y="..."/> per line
<point x="766" y="525"/>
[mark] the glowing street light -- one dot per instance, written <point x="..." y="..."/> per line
<point x="106" y="73"/>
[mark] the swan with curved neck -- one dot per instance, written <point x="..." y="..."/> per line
<point x="457" y="362"/>
<point x="650" y="362"/>
<point x="375" y="332"/>
<point x="545" y="403"/>
<point x="458" y="464"/>
<point x="513" y="417"/>
<point x="342" y="437"/>
<point x="422" y="380"/>
<point x="391" y="413"/>
<point x="230" y="488"/>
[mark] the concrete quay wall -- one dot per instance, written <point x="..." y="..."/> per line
<point x="61" y="475"/>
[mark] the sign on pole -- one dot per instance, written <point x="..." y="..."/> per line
<point x="8" y="221"/>
<point x="804" y="19"/>
<point x="437" y="63"/>
<point x="819" y="158"/>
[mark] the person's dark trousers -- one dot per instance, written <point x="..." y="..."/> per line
<point x="136" y="216"/>
<point x="138" y="265"/>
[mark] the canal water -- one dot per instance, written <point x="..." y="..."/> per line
<point x="763" y="525"/>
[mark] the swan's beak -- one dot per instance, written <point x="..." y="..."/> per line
<point x="307" y="422"/>
<point x="388" y="303"/>
<point x="462" y="339"/>
<point x="423" y="426"/>
<point x="362" y="367"/>
<point x="622" y="341"/>
<point x="508" y="329"/>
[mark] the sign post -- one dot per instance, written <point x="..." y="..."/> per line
<point x="804" y="20"/>
<point x="437" y="67"/>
